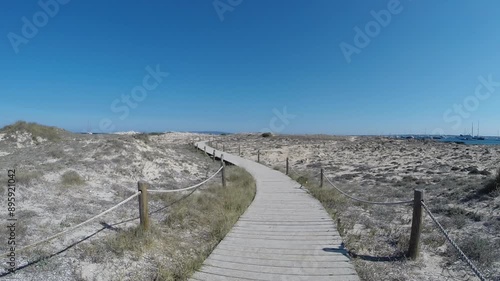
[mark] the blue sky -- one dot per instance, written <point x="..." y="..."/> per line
<point x="237" y="64"/>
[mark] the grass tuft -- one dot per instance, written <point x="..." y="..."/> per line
<point x="72" y="178"/>
<point x="478" y="249"/>
<point x="27" y="178"/>
<point x="492" y="187"/>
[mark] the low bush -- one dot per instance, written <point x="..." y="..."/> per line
<point x="478" y="249"/>
<point x="71" y="178"/>
<point x="492" y="187"/>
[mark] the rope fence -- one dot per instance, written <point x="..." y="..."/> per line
<point x="461" y="253"/>
<point x="143" y="207"/>
<point x="418" y="207"/>
<point x="76" y="226"/>
<point x="366" y="201"/>
<point x="186" y="188"/>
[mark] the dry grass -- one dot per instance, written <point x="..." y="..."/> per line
<point x="493" y="186"/>
<point x="478" y="249"/>
<point x="456" y="180"/>
<point x="215" y="211"/>
<point x="178" y="244"/>
<point x="71" y="178"/>
<point x="56" y="153"/>
<point x="36" y="130"/>
<point x="26" y="178"/>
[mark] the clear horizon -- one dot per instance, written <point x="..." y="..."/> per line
<point x="302" y="67"/>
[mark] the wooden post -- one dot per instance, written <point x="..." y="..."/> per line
<point x="322" y="176"/>
<point x="223" y="148"/>
<point x="143" y="205"/>
<point x="213" y="156"/>
<point x="205" y="149"/>
<point x="287" y="165"/>
<point x="223" y="170"/>
<point x="258" y="156"/>
<point x="239" y="149"/>
<point x="217" y="145"/>
<point x="416" y="225"/>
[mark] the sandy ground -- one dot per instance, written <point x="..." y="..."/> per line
<point x="110" y="167"/>
<point x="383" y="169"/>
<point x="367" y="167"/>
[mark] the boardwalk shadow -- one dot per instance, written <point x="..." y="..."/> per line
<point x="378" y="259"/>
<point x="344" y="251"/>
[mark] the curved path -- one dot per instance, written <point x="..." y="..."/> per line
<point x="285" y="235"/>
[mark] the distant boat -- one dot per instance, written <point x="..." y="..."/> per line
<point x="465" y="137"/>
<point x="476" y="137"/>
<point x="89" y="128"/>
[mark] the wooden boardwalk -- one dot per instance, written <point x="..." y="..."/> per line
<point x="284" y="235"/>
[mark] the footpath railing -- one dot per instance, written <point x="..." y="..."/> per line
<point x="142" y="193"/>
<point x="417" y="218"/>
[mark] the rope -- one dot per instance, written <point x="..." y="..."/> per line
<point x="462" y="255"/>
<point x="173" y="203"/>
<point x="293" y="170"/>
<point x="159" y="209"/>
<point x="369" y="202"/>
<point x="76" y="226"/>
<point x="187" y="188"/>
<point x="299" y="174"/>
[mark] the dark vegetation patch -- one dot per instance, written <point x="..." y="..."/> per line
<point x="142" y="137"/>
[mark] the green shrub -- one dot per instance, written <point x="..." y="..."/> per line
<point x="71" y="178"/>
<point x="267" y="135"/>
<point x="302" y="180"/>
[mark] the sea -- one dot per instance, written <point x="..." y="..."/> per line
<point x="462" y="140"/>
<point x="467" y="140"/>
